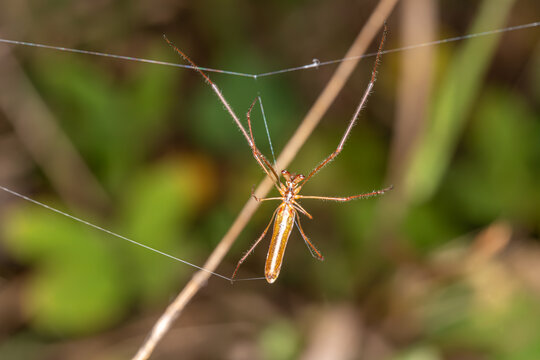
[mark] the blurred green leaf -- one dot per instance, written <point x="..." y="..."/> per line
<point x="430" y="225"/>
<point x="213" y="126"/>
<point x="77" y="286"/>
<point x="499" y="177"/>
<point x="85" y="280"/>
<point x="112" y="123"/>
<point x="456" y="94"/>
<point x="157" y="205"/>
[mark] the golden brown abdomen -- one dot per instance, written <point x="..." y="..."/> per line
<point x="282" y="230"/>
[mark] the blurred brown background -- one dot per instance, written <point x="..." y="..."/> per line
<point x="446" y="266"/>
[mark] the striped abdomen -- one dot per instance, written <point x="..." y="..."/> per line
<point x="282" y="230"/>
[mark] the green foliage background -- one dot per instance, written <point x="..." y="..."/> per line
<point x="176" y="172"/>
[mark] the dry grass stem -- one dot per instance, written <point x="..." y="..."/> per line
<point x="418" y="25"/>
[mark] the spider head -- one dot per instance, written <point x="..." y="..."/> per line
<point x="292" y="180"/>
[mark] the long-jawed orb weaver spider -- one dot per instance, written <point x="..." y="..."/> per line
<point x="286" y="214"/>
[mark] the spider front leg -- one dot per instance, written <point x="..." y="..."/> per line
<point x="356" y="113"/>
<point x="263" y="162"/>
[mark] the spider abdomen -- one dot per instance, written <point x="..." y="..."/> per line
<point x="282" y="230"/>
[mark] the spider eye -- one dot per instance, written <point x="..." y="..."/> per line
<point x="298" y="178"/>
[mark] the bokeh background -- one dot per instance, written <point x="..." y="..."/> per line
<point x="446" y="266"/>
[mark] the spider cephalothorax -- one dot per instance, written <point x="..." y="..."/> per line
<point x="292" y="183"/>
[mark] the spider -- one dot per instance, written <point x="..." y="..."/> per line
<point x="286" y="214"/>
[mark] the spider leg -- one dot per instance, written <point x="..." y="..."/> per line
<point x="265" y="199"/>
<point x="253" y="246"/>
<point x="258" y="199"/>
<point x="348" y="198"/>
<point x="256" y="153"/>
<point x="356" y="113"/>
<point x="299" y="207"/>
<point x="312" y="249"/>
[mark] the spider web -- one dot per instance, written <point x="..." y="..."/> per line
<point x="315" y="64"/>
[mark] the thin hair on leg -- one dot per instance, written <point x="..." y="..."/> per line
<point x="356" y="113"/>
<point x="347" y="198"/>
<point x="256" y="153"/>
